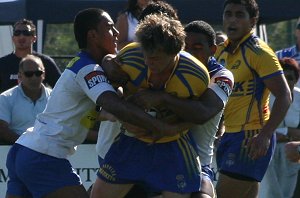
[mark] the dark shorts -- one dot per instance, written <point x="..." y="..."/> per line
<point x="207" y="173"/>
<point x="233" y="160"/>
<point x="172" y="166"/>
<point x="36" y="174"/>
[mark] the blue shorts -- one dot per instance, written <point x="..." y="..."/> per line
<point x="233" y="160"/>
<point x="207" y="173"/>
<point x="36" y="174"/>
<point x="171" y="166"/>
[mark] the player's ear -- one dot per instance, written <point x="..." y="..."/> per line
<point x="213" y="49"/>
<point x="91" y="34"/>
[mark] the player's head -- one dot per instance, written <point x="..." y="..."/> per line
<point x="159" y="7"/>
<point x="161" y="39"/>
<point x="94" y="26"/>
<point x="239" y="18"/>
<point x="200" y="40"/>
<point x="250" y="5"/>
<point x="291" y="70"/>
<point x="157" y="31"/>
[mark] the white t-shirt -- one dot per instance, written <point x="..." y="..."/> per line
<point x="204" y="135"/>
<point x="132" y="24"/>
<point x="58" y="130"/>
<point x="18" y="110"/>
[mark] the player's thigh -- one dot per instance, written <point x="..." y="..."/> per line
<point x="109" y="190"/>
<point x="207" y="190"/>
<point x="13" y="196"/>
<point x="77" y="191"/>
<point x="235" y="188"/>
<point x="166" y="194"/>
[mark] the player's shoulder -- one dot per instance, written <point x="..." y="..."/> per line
<point x="257" y="47"/>
<point x="78" y="62"/>
<point x="186" y="60"/>
<point x="132" y="49"/>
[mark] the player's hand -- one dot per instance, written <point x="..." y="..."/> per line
<point x="258" y="146"/>
<point x="148" y="98"/>
<point x="137" y="131"/>
<point x="291" y="151"/>
<point x="112" y="68"/>
<point x="104" y="115"/>
<point x="171" y="130"/>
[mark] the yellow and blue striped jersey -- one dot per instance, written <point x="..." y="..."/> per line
<point x="251" y="62"/>
<point x="189" y="79"/>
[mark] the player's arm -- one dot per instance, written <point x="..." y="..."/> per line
<point x="7" y="135"/>
<point x="210" y="103"/>
<point x="279" y="88"/>
<point x="127" y="112"/>
<point x="112" y="68"/>
<point x="196" y="111"/>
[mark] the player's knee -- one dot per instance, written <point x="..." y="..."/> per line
<point x="207" y="190"/>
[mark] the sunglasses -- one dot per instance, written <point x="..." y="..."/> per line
<point x="29" y="74"/>
<point x="24" y="32"/>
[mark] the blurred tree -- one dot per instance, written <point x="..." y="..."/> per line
<point x="282" y="34"/>
<point x="60" y="43"/>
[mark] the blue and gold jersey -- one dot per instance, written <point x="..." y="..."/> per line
<point x="189" y="79"/>
<point x="251" y="62"/>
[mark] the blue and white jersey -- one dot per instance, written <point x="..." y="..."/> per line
<point x="221" y="82"/>
<point x="292" y="52"/>
<point x="59" y="129"/>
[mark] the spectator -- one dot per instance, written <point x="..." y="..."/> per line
<point x="293" y="51"/>
<point x="24" y="35"/>
<point x="281" y="176"/>
<point x="247" y="145"/>
<point x="128" y="20"/>
<point x="30" y="97"/>
<point x="37" y="163"/>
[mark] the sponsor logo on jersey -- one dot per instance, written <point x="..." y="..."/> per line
<point x="94" y="78"/>
<point x="108" y="172"/>
<point x="181" y="183"/>
<point x="225" y="84"/>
